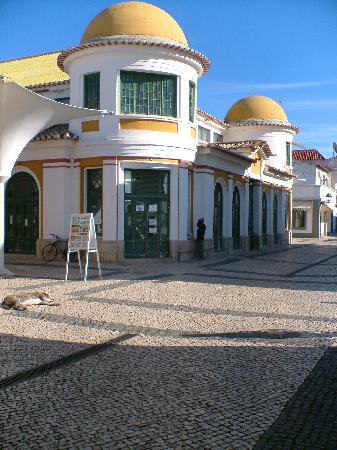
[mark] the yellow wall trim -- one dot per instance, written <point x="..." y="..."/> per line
<point x="149" y="125"/>
<point x="90" y="125"/>
<point x="193" y="133"/>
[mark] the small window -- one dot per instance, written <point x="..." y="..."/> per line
<point x="65" y="100"/>
<point x="191" y="101"/>
<point x="288" y="150"/>
<point x="299" y="219"/>
<point x="217" y="137"/>
<point x="92" y="91"/>
<point x="95" y="197"/>
<point x="204" y="134"/>
<point x="148" y="93"/>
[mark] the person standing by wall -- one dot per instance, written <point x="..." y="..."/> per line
<point x="201" y="228"/>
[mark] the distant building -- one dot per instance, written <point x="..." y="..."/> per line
<point x="314" y="195"/>
<point x="158" y="164"/>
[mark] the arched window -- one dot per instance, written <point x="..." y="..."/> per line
<point x="22" y="214"/>
<point x="217" y="218"/>
<point x="275" y="216"/>
<point x="264" y="218"/>
<point x="236" y="218"/>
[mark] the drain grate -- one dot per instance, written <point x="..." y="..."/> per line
<point x="57" y="363"/>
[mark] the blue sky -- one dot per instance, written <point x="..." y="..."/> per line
<point x="284" y="49"/>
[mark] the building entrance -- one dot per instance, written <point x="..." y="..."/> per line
<point x="22" y="214"/>
<point x="146" y="221"/>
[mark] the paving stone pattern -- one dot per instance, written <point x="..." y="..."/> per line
<point x="227" y="354"/>
<point x="309" y="419"/>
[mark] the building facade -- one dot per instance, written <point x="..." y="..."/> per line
<point x="155" y="165"/>
<point x="314" y="195"/>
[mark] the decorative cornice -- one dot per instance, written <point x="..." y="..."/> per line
<point x="199" y="57"/>
<point x="208" y="117"/>
<point x="262" y="122"/>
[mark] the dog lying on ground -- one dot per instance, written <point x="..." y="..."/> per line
<point x="21" y="301"/>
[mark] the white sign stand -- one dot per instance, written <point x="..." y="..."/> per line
<point x="82" y="236"/>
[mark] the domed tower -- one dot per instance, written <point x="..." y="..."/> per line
<point x="261" y="118"/>
<point x="134" y="60"/>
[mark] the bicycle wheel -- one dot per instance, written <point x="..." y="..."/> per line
<point x="49" y="252"/>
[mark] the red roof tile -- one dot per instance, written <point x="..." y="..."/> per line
<point x="307" y="155"/>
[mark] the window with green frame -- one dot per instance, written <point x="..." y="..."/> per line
<point x="94" y="183"/>
<point x="191" y="101"/>
<point x="204" y="134"/>
<point x="217" y="137"/>
<point x="288" y="150"/>
<point x="91" y="86"/>
<point x="148" y="93"/>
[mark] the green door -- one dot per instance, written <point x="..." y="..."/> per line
<point x="217" y="220"/>
<point x="146" y="221"/>
<point x="22" y="214"/>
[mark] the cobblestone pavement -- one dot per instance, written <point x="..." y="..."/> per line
<point x="230" y="353"/>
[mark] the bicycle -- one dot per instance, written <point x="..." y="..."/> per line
<point x="50" y="251"/>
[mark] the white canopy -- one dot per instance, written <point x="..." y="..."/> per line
<point x="23" y="114"/>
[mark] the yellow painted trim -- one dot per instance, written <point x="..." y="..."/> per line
<point x="90" y="125"/>
<point x="149" y="125"/>
<point x="193" y="133"/>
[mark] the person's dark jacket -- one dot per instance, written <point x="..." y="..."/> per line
<point x="201" y="230"/>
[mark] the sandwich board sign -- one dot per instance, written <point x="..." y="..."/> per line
<point x="82" y="236"/>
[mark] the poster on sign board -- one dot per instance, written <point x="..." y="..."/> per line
<point x="82" y="237"/>
<point x="79" y="231"/>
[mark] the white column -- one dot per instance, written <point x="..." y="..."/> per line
<point x="246" y="209"/>
<point x="204" y="200"/>
<point x="110" y="200"/>
<point x="56" y="199"/>
<point x="290" y="216"/>
<point x="76" y="187"/>
<point x="3" y="270"/>
<point x="174" y="203"/>
<point x="183" y="201"/>
<point x="270" y="198"/>
<point x="229" y="224"/>
<point x="257" y="213"/>
<point x="120" y="201"/>
<point x="282" y="212"/>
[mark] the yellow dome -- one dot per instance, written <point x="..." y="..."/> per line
<point x="256" y="107"/>
<point x="134" y="18"/>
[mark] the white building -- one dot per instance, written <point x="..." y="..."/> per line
<point x="155" y="166"/>
<point x="314" y="195"/>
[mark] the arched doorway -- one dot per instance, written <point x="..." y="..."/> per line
<point x="275" y="216"/>
<point x="236" y="219"/>
<point x="21" y="214"/>
<point x="217" y="220"/>
<point x="264" y="219"/>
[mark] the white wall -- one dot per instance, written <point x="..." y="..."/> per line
<point x="109" y="61"/>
